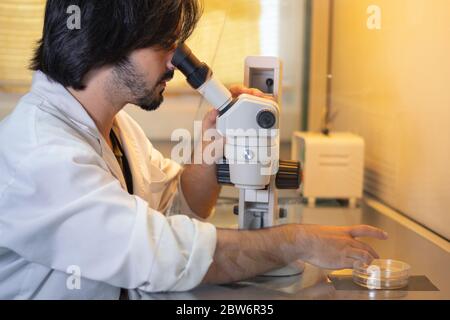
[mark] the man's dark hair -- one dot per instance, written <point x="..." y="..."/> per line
<point x="109" y="31"/>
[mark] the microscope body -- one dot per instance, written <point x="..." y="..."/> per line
<point x="251" y="130"/>
<point x="250" y="126"/>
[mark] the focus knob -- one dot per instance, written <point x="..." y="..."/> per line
<point x="223" y="173"/>
<point x="266" y="119"/>
<point x="289" y="175"/>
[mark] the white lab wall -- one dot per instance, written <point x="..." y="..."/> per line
<point x="392" y="87"/>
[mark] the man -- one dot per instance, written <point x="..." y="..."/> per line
<point x="84" y="197"/>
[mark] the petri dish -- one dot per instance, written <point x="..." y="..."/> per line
<point x="384" y="274"/>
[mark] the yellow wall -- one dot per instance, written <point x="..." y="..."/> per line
<point x="20" y="28"/>
<point x="214" y="40"/>
<point x="318" y="63"/>
<point x="393" y="87"/>
<point x="226" y="33"/>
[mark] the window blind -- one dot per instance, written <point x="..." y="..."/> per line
<point x="227" y="32"/>
<point x="20" y="27"/>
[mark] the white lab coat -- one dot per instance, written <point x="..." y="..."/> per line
<point x="64" y="208"/>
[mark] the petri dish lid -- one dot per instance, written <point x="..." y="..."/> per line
<point x="381" y="274"/>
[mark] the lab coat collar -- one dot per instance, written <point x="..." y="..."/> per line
<point x="62" y="100"/>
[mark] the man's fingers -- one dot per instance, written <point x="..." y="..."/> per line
<point x="237" y="90"/>
<point x="360" y="255"/>
<point x="364" y="246"/>
<point x="210" y="118"/>
<point x="367" y="231"/>
<point x="211" y="115"/>
<point x="256" y="92"/>
<point x="347" y="263"/>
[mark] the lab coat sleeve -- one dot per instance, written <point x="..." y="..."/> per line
<point x="173" y="200"/>
<point x="68" y="210"/>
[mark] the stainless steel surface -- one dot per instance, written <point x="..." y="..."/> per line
<point x="424" y="257"/>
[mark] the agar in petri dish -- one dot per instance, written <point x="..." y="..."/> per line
<point x="384" y="274"/>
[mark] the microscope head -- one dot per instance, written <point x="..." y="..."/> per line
<point x="250" y="124"/>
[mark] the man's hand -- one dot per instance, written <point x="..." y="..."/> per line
<point x="336" y="247"/>
<point x="237" y="90"/>
<point x="209" y="121"/>
<point x="244" y="254"/>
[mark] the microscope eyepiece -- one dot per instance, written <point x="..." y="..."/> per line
<point x="200" y="77"/>
<point x="196" y="72"/>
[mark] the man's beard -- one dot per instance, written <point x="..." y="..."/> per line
<point x="148" y="99"/>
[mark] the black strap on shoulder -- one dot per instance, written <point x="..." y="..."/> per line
<point x="126" y="166"/>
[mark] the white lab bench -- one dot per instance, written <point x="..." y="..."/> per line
<point x="427" y="258"/>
